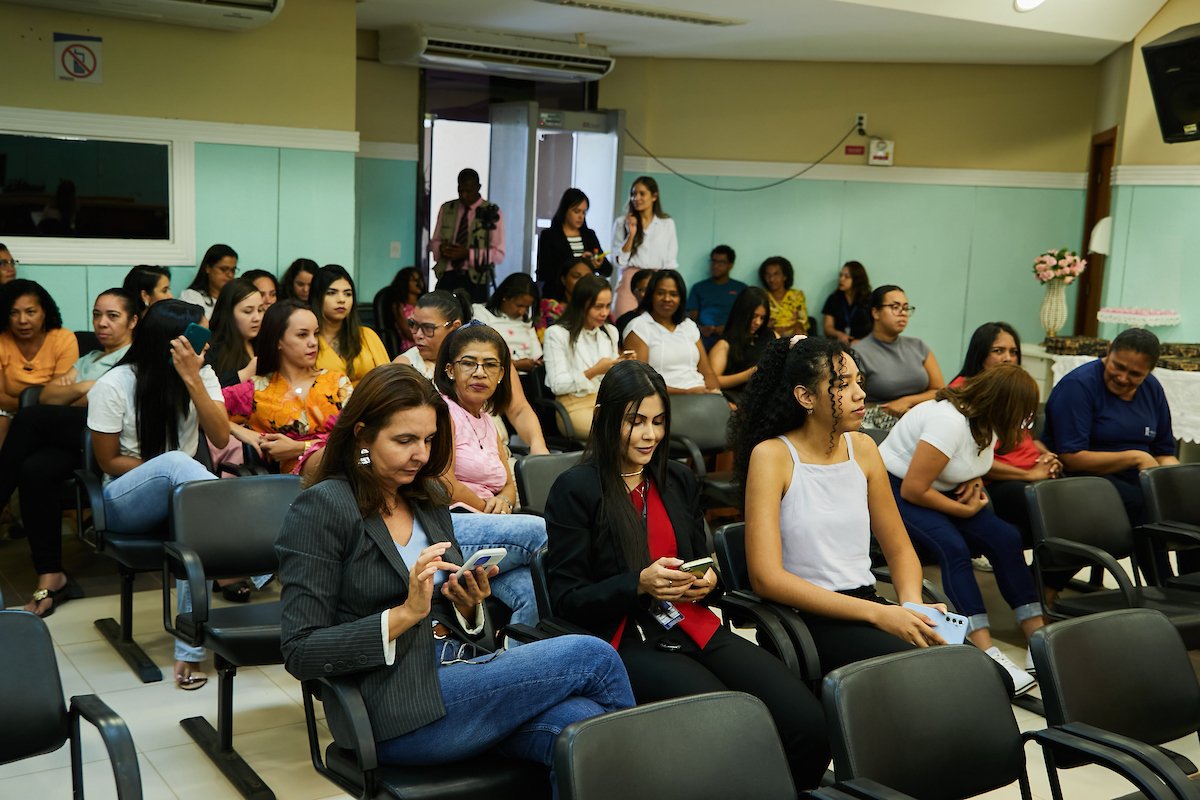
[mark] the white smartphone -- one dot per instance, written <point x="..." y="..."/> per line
<point x="951" y="627"/>
<point x="699" y="567"/>
<point x="483" y="558"/>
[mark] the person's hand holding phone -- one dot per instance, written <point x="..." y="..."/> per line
<point x="701" y="587"/>
<point x="186" y="360"/>
<point x="663" y="580"/>
<point x="470" y="589"/>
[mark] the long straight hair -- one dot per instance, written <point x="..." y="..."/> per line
<point x="160" y="398"/>
<point x="622" y="391"/>
<point x="737" y="327"/>
<point x="651" y="185"/>
<point x="981" y="344"/>
<point x="289" y="277"/>
<point x="1000" y="401"/>
<point x="227" y="349"/>
<point x="211" y="256"/>
<point x="583" y="297"/>
<point x="348" y="342"/>
<point x="274" y="326"/>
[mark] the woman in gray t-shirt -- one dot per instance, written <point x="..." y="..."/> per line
<point x="901" y="371"/>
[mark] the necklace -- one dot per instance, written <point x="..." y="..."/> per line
<point x="632" y="474"/>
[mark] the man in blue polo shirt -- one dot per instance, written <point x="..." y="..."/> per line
<point x="710" y="300"/>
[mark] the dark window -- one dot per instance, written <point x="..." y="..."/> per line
<point x="88" y="188"/>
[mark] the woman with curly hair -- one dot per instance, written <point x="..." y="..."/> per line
<point x="816" y="489"/>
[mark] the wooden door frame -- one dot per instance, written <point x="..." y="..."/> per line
<point x="1092" y="283"/>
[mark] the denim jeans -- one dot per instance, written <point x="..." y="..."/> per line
<point x="953" y="539"/>
<point x="517" y="702"/>
<point x="521" y="535"/>
<point x="141" y="499"/>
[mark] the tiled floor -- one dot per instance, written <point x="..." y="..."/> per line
<point x="268" y="716"/>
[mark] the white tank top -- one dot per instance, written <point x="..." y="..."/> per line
<point x="825" y="523"/>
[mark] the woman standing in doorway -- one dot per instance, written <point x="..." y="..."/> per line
<point x="643" y="239"/>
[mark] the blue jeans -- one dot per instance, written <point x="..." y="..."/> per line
<point x="517" y="702"/>
<point x="140" y="499"/>
<point x="521" y="535"/>
<point x="952" y="540"/>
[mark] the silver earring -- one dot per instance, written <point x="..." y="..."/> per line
<point x="808" y="410"/>
<point x="364" y="457"/>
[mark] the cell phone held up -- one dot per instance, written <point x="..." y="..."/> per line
<point x="197" y="336"/>
<point x="699" y="567"/>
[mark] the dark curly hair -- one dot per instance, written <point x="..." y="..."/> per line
<point x="769" y="407"/>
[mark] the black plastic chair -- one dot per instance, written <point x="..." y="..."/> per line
<point x="36" y="721"/>
<point x="1081" y="522"/>
<point x="536" y="474"/>
<point x="1095" y="684"/>
<point x="385" y="321"/>
<point x="351" y="763"/>
<point x="698" y="430"/>
<point x="639" y="753"/>
<point x="226" y="529"/>
<point x="936" y="724"/>
<point x="551" y="413"/>
<point x="1173" y="507"/>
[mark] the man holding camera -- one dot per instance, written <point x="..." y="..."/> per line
<point x="468" y="240"/>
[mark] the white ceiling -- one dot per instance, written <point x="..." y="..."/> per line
<point x="947" y="31"/>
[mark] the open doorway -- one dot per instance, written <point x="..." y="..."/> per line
<point x="453" y="146"/>
<point x="1097" y="206"/>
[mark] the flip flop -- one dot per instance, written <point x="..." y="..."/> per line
<point x="192" y="682"/>
<point x="58" y="597"/>
<point x="235" y="592"/>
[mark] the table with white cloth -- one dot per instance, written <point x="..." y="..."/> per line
<point x="1181" y="388"/>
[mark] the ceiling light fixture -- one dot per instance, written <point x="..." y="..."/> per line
<point x="646" y="12"/>
<point x="1026" y="5"/>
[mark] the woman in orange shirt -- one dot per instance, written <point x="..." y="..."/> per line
<point x="34" y="347"/>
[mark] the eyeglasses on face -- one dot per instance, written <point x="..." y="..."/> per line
<point x="900" y="308"/>
<point x="8" y="262"/>
<point x="426" y="329"/>
<point x="469" y="365"/>
<point x="230" y="271"/>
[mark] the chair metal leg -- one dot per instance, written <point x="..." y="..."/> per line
<point x="121" y="636"/>
<point x="217" y="743"/>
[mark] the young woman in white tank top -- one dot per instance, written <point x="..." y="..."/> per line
<point x="815" y="491"/>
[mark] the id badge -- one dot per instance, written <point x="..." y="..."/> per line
<point x="666" y="613"/>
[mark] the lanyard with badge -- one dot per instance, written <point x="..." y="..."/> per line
<point x="663" y="611"/>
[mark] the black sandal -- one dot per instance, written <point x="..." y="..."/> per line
<point x="234" y="592"/>
<point x="69" y="591"/>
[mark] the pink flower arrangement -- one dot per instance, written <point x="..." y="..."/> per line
<point x="1065" y="264"/>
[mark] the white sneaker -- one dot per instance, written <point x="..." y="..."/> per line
<point x="982" y="564"/>
<point x="1030" y="667"/>
<point x="1022" y="680"/>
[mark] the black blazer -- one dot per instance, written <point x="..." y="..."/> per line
<point x="339" y="573"/>
<point x="590" y="583"/>
<point x="554" y="253"/>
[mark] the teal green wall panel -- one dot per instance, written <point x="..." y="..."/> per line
<point x="68" y="286"/>
<point x="385" y="192"/>
<point x="316" y="207"/>
<point x="237" y="203"/>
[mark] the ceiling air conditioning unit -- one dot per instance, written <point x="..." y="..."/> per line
<point x="493" y="54"/>
<point x="226" y="15"/>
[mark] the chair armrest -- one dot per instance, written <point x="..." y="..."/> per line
<point x="1102" y="755"/>
<point x="88" y="486"/>
<point x="693" y="453"/>
<point x="345" y="694"/>
<point x="787" y="632"/>
<point x="559" y="410"/>
<point x="524" y="633"/>
<point x="193" y="569"/>
<point x="557" y="626"/>
<point x="30" y="396"/>
<point x="1092" y="555"/>
<point x="1171" y="536"/>
<point x="117" y="741"/>
<point x="929" y="591"/>
<point x="1151" y="757"/>
<point x="867" y="789"/>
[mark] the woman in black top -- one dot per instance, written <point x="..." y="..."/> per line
<point x="847" y="312"/>
<point x="734" y="357"/>
<point x="567" y="238"/>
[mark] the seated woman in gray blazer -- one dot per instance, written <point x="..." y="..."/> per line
<point x="367" y="558"/>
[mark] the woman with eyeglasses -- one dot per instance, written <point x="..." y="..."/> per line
<point x="345" y="344"/>
<point x="438" y="314"/>
<point x="473" y="376"/>
<point x="217" y="268"/>
<point x="8" y="265"/>
<point x="901" y="371"/>
<point x="369" y="561"/>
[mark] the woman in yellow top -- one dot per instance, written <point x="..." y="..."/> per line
<point x="34" y="347"/>
<point x="286" y="411"/>
<point x="789" y="311"/>
<point x="344" y="343"/>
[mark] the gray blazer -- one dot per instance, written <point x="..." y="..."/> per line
<point x="339" y="573"/>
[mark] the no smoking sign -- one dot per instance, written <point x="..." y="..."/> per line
<point x="77" y="58"/>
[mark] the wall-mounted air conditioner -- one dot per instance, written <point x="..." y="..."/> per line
<point x="493" y="54"/>
<point x="226" y="15"/>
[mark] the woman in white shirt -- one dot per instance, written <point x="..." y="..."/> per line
<point x="145" y="416"/>
<point x="665" y="338"/>
<point x="936" y="457"/>
<point x="580" y="349"/>
<point x="644" y="239"/>
<point x="217" y="268"/>
<point x="510" y="311"/>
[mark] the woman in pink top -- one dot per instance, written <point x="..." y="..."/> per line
<point x="471" y="371"/>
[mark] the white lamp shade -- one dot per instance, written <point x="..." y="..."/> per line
<point x="1101" y="239"/>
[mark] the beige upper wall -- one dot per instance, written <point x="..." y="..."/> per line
<point x="388" y="102"/>
<point x="1142" y="140"/>
<point x="953" y="116"/>
<point x="297" y="71"/>
<point x="1113" y="93"/>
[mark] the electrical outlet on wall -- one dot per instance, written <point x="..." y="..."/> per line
<point x="860" y="122"/>
<point x="394" y="250"/>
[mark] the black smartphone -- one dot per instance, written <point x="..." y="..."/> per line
<point x="197" y="336"/>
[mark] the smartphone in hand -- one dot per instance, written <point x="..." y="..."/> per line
<point x="483" y="558"/>
<point x="197" y="336"/>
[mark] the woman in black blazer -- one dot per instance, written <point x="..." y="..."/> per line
<point x="366" y="558"/>
<point x="620" y="525"/>
<point x="567" y="238"/>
